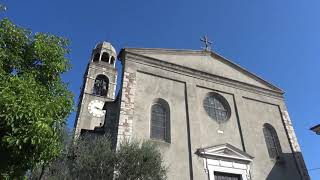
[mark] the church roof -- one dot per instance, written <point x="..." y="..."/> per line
<point x="205" y="61"/>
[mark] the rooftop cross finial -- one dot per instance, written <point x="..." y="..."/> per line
<point x="206" y="42"/>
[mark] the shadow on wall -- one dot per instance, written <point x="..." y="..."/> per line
<point x="287" y="168"/>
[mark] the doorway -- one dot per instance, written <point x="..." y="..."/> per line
<point x="226" y="176"/>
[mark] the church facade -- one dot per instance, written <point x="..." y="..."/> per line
<point x="211" y="118"/>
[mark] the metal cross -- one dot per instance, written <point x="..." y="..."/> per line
<point x="206" y="42"/>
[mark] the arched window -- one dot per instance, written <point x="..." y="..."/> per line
<point x="105" y="57"/>
<point x="160" y="121"/>
<point x="272" y="141"/>
<point x="112" y="60"/>
<point x="101" y="84"/>
<point x="96" y="57"/>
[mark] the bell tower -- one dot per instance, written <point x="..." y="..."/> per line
<point x="98" y="88"/>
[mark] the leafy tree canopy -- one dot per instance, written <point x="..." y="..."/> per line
<point x="134" y="160"/>
<point x="93" y="158"/>
<point x="34" y="101"/>
<point x="139" y="161"/>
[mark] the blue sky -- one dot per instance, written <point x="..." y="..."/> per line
<point x="277" y="40"/>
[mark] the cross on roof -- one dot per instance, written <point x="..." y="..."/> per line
<point x="206" y="42"/>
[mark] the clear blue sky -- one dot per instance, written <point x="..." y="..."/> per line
<point x="277" y="40"/>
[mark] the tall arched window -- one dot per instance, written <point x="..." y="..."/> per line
<point x="101" y="84"/>
<point x="272" y="141"/>
<point x="105" y="57"/>
<point x="96" y="57"/>
<point x="160" y="120"/>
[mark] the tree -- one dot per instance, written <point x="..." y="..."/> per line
<point x="139" y="161"/>
<point x="34" y="101"/>
<point x="92" y="158"/>
<point x="134" y="160"/>
<point x="57" y="168"/>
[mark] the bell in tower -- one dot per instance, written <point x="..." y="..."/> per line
<point x="98" y="89"/>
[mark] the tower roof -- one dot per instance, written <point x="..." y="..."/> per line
<point x="105" y="45"/>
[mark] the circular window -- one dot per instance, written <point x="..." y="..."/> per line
<point x="217" y="107"/>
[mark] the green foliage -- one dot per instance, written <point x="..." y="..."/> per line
<point x="92" y="158"/>
<point x="34" y="101"/>
<point x="56" y="169"/>
<point x="139" y="161"/>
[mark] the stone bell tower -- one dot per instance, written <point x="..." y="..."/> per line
<point x="99" y="86"/>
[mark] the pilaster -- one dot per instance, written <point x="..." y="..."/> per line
<point x="127" y="107"/>
<point x="294" y="144"/>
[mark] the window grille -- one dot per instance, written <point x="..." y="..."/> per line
<point x="160" y="128"/>
<point x="272" y="141"/>
<point x="216" y="107"/>
<point x="101" y="85"/>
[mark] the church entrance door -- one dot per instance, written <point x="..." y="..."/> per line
<point x="226" y="176"/>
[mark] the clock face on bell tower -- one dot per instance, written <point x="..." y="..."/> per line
<point x="95" y="108"/>
<point x="99" y="87"/>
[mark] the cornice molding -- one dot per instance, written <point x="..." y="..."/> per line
<point x="94" y="65"/>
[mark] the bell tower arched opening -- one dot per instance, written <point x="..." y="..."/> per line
<point x="112" y="60"/>
<point x="96" y="57"/>
<point x="105" y="57"/>
<point x="101" y="85"/>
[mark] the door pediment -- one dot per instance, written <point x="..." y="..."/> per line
<point x="224" y="151"/>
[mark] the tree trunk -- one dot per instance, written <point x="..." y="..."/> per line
<point x="42" y="172"/>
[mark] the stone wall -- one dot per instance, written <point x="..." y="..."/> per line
<point x="127" y="107"/>
<point x="295" y="145"/>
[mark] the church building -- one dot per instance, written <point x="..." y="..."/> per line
<point x="211" y="118"/>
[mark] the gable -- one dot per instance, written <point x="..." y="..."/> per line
<point x="225" y="151"/>
<point x="207" y="62"/>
